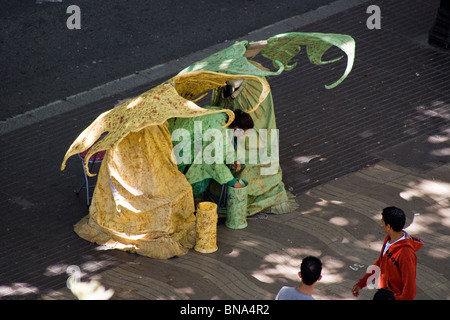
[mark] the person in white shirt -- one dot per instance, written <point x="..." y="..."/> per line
<point x="309" y="274"/>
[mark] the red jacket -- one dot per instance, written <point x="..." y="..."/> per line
<point x="398" y="268"/>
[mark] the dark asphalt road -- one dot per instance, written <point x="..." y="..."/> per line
<point x="41" y="60"/>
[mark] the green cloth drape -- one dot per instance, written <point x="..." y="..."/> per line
<point x="210" y="149"/>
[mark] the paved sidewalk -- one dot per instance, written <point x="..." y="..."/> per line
<point x="380" y="138"/>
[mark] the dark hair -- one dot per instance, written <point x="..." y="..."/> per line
<point x="394" y="217"/>
<point x="311" y="268"/>
<point x="242" y="120"/>
<point x="384" y="294"/>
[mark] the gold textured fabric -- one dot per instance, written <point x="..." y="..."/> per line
<point x="141" y="202"/>
<point x="206" y="228"/>
<point x="154" y="107"/>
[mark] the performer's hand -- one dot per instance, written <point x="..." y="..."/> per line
<point x="238" y="185"/>
<point x="237" y="165"/>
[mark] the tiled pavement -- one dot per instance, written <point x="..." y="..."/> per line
<point x="380" y="138"/>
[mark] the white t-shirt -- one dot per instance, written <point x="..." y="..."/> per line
<point x="290" y="293"/>
<point x="388" y="244"/>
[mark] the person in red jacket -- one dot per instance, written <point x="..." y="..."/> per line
<point x="397" y="261"/>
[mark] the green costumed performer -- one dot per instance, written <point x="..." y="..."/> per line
<point x="204" y="148"/>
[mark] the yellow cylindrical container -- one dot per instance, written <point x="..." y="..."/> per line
<point x="206" y="227"/>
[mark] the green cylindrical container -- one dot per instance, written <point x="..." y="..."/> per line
<point x="237" y="207"/>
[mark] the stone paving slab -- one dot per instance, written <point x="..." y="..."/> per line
<point x="339" y="224"/>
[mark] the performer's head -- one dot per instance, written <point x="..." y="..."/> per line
<point x="242" y="122"/>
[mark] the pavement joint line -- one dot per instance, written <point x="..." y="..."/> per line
<point x="166" y="69"/>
